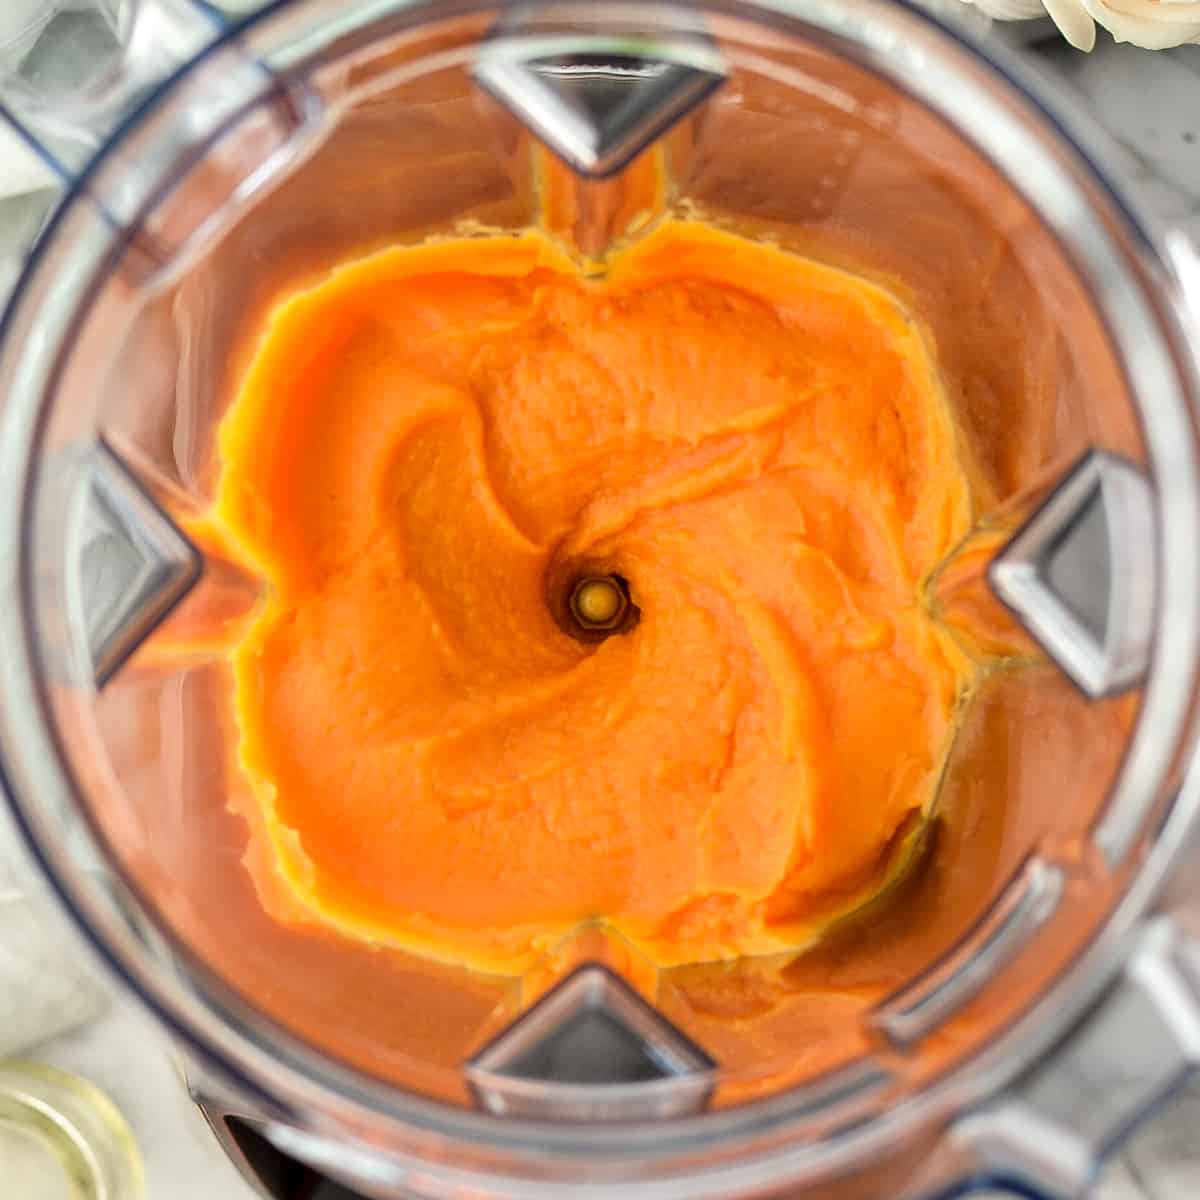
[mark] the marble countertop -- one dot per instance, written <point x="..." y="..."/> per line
<point x="1152" y="104"/>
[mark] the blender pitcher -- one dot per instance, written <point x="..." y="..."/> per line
<point x="1028" y="985"/>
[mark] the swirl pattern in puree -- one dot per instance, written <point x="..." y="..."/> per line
<point x="434" y="439"/>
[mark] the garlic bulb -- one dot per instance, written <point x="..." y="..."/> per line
<point x="1153" y="24"/>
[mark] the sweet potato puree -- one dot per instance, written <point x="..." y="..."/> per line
<point x="436" y="442"/>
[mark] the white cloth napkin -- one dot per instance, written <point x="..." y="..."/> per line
<point x="46" y="987"/>
<point x="21" y="171"/>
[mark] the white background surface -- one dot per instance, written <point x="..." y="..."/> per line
<point x="1152" y="103"/>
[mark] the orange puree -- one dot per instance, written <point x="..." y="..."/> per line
<point x="435" y="442"/>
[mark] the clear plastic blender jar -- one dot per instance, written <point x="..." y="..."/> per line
<point x="934" y="1042"/>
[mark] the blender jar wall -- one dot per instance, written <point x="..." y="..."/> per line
<point x="1033" y="370"/>
<point x="164" y="726"/>
<point x="179" y="314"/>
<point x="913" y="206"/>
<point x="820" y="155"/>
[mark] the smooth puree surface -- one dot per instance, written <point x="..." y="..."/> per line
<point x="435" y="443"/>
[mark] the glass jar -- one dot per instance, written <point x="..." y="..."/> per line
<point x="62" y="1139"/>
